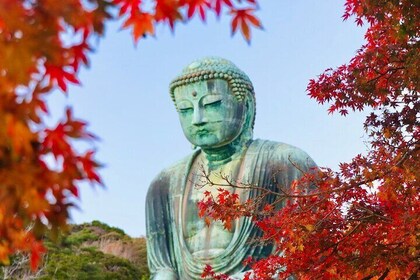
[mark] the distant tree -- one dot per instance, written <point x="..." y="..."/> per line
<point x="43" y="44"/>
<point x="361" y="222"/>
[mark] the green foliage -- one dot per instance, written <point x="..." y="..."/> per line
<point x="78" y="237"/>
<point x="90" y="264"/>
<point x="141" y="253"/>
<point x="107" y="227"/>
<point x="86" y="253"/>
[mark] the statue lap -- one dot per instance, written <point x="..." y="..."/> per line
<point x="266" y="163"/>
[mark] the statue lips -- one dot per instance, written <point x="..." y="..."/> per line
<point x="202" y="132"/>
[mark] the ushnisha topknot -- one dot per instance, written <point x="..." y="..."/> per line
<point x="215" y="68"/>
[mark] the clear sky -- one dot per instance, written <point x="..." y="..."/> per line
<point x="124" y="97"/>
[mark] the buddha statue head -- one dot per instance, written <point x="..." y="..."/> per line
<point x="216" y="104"/>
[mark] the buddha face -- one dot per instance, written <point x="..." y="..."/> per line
<point x="210" y="115"/>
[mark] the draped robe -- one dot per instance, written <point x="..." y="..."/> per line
<point x="264" y="164"/>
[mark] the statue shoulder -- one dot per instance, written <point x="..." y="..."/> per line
<point x="279" y="152"/>
<point x="161" y="182"/>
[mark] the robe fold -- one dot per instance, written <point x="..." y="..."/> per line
<point x="265" y="164"/>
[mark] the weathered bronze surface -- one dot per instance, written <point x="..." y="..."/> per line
<point x="216" y="105"/>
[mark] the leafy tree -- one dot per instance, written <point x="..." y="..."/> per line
<point x="361" y="222"/>
<point x="43" y="44"/>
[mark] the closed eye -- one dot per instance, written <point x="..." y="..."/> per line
<point x="212" y="100"/>
<point x="184" y="106"/>
<point x="185" y="110"/>
<point x="213" y="104"/>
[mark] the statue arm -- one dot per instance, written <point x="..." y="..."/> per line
<point x="160" y="254"/>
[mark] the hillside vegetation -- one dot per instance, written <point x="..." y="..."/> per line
<point x="90" y="251"/>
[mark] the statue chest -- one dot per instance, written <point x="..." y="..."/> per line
<point x="206" y="241"/>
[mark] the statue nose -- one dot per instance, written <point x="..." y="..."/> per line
<point x="198" y="117"/>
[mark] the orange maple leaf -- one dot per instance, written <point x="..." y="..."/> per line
<point x="243" y="18"/>
<point x="142" y="24"/>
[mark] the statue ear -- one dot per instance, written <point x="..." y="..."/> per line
<point x="250" y="110"/>
<point x="248" y="126"/>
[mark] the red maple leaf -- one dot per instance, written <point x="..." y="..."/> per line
<point x="219" y="4"/>
<point x="58" y="75"/>
<point x="167" y="10"/>
<point x="244" y="18"/>
<point x="90" y="166"/>
<point x="37" y="249"/>
<point x="196" y="6"/>
<point x="79" y="54"/>
<point x="127" y="6"/>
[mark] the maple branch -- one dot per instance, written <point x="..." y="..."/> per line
<point x="335" y="245"/>
<point x="318" y="224"/>
<point x="295" y="165"/>
<point x="381" y="74"/>
<point x="229" y="183"/>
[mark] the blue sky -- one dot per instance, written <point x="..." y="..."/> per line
<point x="124" y="97"/>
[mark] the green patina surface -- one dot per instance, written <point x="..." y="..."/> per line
<point x="216" y="106"/>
